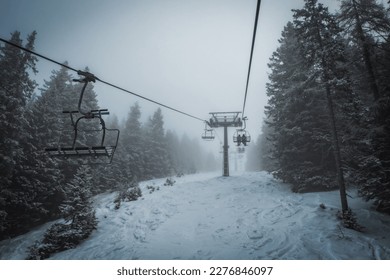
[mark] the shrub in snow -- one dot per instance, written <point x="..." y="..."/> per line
<point x="169" y="182"/>
<point x="152" y="188"/>
<point x="129" y="194"/>
<point x="348" y="219"/>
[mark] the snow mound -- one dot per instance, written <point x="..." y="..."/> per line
<point x="204" y="216"/>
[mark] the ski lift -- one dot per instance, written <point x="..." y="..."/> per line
<point x="91" y="142"/>
<point x="208" y="134"/>
<point x="241" y="150"/>
<point x="241" y="135"/>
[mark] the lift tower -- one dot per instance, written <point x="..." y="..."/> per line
<point x="225" y="120"/>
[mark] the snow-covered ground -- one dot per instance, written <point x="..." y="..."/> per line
<point x="206" y="216"/>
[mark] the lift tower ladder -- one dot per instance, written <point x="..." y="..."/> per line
<point x="225" y="120"/>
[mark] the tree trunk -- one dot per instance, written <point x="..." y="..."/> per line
<point x="336" y="151"/>
<point x="335" y="138"/>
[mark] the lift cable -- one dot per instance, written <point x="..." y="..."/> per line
<point x="250" y="59"/>
<point x="79" y="72"/>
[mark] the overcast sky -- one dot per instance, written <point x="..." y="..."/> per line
<point x="192" y="55"/>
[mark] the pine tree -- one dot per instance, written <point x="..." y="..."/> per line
<point x="210" y="162"/>
<point x="365" y="22"/>
<point x="132" y="144"/>
<point x="186" y="160"/>
<point x="79" y="216"/>
<point x="157" y="163"/>
<point x="297" y="118"/>
<point x="367" y="27"/>
<point x="77" y="207"/>
<point x="319" y="28"/>
<point x="173" y="146"/>
<point x="48" y="107"/>
<point x="263" y="151"/>
<point x="16" y="88"/>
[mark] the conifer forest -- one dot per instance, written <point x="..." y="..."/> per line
<point x="35" y="187"/>
<point x="326" y="125"/>
<point x="327" y="118"/>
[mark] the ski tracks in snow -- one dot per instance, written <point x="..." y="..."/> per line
<point x="218" y="218"/>
<point x="203" y="216"/>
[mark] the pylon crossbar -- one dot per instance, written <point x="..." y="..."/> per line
<point x="225" y="119"/>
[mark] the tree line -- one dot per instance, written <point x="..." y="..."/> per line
<point x="36" y="188"/>
<point x="327" y="118"/>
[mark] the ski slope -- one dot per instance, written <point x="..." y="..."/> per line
<point x="206" y="216"/>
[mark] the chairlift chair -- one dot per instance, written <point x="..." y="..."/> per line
<point x="241" y="136"/>
<point x="208" y="135"/>
<point x="106" y="140"/>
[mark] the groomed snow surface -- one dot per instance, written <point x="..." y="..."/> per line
<point x="206" y="216"/>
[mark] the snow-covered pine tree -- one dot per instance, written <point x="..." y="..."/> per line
<point x="77" y="208"/>
<point x="297" y="118"/>
<point x="16" y="88"/>
<point x="253" y="156"/>
<point x="157" y="164"/>
<point x="186" y="160"/>
<point x="366" y="27"/>
<point x="48" y="106"/>
<point x="187" y="156"/>
<point x="319" y="37"/>
<point x="261" y="156"/>
<point x="365" y="23"/>
<point x="210" y="162"/>
<point x="173" y="146"/>
<point x="79" y="216"/>
<point x="131" y="145"/>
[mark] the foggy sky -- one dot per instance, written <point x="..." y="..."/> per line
<point x="192" y="55"/>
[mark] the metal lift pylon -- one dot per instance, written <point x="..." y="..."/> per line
<point x="225" y="120"/>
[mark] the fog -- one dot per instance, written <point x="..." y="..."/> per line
<point x="192" y="55"/>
